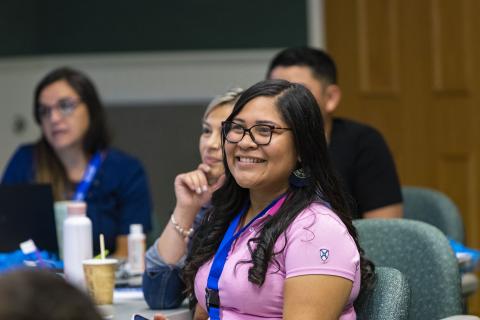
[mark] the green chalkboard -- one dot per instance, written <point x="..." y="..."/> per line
<point x="60" y="26"/>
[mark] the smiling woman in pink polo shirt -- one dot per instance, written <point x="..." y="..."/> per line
<point x="278" y="242"/>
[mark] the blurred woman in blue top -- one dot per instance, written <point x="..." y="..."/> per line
<point x="73" y="155"/>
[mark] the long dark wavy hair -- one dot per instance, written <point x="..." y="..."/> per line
<point x="302" y="114"/>
<point x="48" y="167"/>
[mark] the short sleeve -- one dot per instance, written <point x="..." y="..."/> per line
<point x="376" y="183"/>
<point x="319" y="243"/>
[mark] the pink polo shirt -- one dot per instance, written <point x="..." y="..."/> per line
<point x="317" y="243"/>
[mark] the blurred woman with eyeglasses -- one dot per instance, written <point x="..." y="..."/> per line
<point x="74" y="156"/>
<point x="162" y="285"/>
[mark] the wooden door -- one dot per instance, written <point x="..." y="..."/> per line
<point x="412" y="69"/>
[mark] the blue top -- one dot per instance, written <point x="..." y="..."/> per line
<point x="118" y="196"/>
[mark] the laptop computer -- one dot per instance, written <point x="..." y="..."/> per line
<point x="26" y="212"/>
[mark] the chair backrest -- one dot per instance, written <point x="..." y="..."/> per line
<point x="435" y="208"/>
<point x="423" y="254"/>
<point x="388" y="299"/>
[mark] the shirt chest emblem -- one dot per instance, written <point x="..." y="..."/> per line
<point x="324" y="254"/>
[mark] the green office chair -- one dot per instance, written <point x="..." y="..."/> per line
<point x="435" y="208"/>
<point x="389" y="298"/>
<point x="438" y="209"/>
<point x="423" y="254"/>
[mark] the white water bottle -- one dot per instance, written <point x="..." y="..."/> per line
<point x="77" y="242"/>
<point x="136" y="249"/>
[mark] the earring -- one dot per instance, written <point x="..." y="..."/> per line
<point x="299" y="179"/>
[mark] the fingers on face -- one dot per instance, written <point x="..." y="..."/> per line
<point x="196" y="181"/>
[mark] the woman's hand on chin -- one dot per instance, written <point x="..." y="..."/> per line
<point x="192" y="189"/>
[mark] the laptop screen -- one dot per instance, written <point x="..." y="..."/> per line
<point x="26" y="212"/>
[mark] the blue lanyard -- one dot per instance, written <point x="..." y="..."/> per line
<point x="211" y="291"/>
<point x="88" y="176"/>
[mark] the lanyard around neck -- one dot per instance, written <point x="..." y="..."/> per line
<point x="212" y="294"/>
<point x="84" y="185"/>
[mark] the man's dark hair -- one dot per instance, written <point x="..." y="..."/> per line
<point x="322" y="65"/>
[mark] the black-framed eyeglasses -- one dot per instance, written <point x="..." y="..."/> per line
<point x="66" y="106"/>
<point x="261" y="134"/>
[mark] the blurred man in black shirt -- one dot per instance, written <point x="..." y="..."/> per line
<point x="359" y="152"/>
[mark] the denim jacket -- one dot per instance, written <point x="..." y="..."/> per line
<point x="163" y="287"/>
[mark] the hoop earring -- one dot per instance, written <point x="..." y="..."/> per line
<point x="299" y="179"/>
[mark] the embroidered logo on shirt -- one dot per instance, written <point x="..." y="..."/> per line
<point x="324" y="253"/>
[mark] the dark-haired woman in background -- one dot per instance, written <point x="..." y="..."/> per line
<point x="278" y="242"/>
<point x="73" y="154"/>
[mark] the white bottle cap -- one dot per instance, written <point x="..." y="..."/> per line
<point x="77" y="208"/>
<point x="136" y="228"/>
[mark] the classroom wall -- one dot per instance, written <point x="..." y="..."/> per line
<point x="64" y="27"/>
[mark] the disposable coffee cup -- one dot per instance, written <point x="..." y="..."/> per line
<point x="100" y="279"/>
